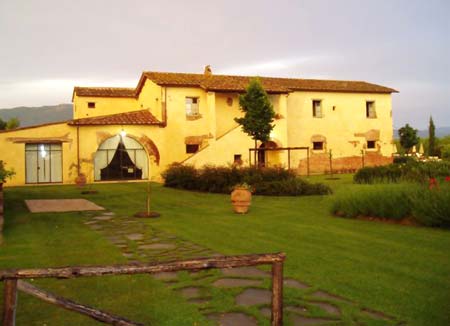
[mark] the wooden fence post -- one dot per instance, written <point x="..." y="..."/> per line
<point x="277" y="293"/>
<point x="9" y="302"/>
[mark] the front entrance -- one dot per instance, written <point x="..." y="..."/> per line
<point x="120" y="158"/>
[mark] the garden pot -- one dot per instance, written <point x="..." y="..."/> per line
<point x="241" y="199"/>
<point x="80" y="180"/>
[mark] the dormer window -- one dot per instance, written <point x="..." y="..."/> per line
<point x="192" y="107"/>
<point x="91" y="105"/>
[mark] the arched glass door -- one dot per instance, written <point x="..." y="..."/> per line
<point x="120" y="158"/>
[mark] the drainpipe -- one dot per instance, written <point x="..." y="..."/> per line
<point x="78" y="150"/>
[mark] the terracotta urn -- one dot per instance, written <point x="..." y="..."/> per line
<point x="81" y="180"/>
<point x="241" y="198"/>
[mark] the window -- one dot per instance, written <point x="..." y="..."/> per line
<point x="191" y="149"/>
<point x="91" y="105"/>
<point x="318" y="145"/>
<point x="238" y="159"/>
<point x="43" y="163"/>
<point x="371" y="144"/>
<point x="317" y="108"/>
<point x="370" y="110"/>
<point x="192" y="106"/>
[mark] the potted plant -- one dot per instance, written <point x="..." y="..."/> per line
<point x="241" y="197"/>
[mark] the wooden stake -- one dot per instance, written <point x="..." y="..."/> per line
<point x="277" y="293"/>
<point x="9" y="302"/>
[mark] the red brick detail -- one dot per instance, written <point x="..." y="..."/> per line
<point x="320" y="163"/>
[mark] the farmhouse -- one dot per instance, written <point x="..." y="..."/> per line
<point x="135" y="133"/>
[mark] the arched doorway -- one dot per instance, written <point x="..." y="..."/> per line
<point x="120" y="158"/>
<point x="267" y="157"/>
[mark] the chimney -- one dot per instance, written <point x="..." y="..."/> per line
<point x="208" y="71"/>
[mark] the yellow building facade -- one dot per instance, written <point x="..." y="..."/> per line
<point x="120" y="134"/>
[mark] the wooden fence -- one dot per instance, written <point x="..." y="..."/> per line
<point x="13" y="282"/>
<point x="1" y="211"/>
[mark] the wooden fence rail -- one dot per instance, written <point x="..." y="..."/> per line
<point x="12" y="279"/>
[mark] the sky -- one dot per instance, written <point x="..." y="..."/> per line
<point x="49" y="46"/>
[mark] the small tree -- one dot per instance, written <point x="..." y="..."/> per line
<point x="408" y="137"/>
<point x="259" y="113"/>
<point x="431" y="138"/>
<point x="12" y="123"/>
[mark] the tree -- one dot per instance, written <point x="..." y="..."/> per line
<point x="408" y="137"/>
<point x="259" y="113"/>
<point x="431" y="139"/>
<point x="2" y="124"/>
<point x="12" y="123"/>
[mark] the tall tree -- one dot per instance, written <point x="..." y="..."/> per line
<point x="431" y="138"/>
<point x="259" y="113"/>
<point x="2" y="124"/>
<point x="408" y="137"/>
<point x="12" y="123"/>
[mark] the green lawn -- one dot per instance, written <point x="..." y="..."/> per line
<point x="402" y="271"/>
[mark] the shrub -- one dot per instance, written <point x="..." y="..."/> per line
<point x="180" y="176"/>
<point x="411" y="172"/>
<point x="386" y="201"/>
<point x="430" y="207"/>
<point x="217" y="179"/>
<point x="5" y="174"/>
<point x="291" y="187"/>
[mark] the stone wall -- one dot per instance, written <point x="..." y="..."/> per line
<point x="319" y="163"/>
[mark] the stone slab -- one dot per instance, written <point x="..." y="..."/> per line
<point x="61" y="205"/>
<point x="236" y="282"/>
<point x="306" y="321"/>
<point x="291" y="283"/>
<point x="252" y="297"/>
<point x="157" y="246"/>
<point x="233" y="319"/>
<point x="244" y="271"/>
<point x="329" y="308"/>
<point x="134" y="236"/>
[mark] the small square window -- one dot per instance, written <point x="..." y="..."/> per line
<point x="370" y="110"/>
<point x="371" y="144"/>
<point x="317" y="108"/>
<point x="192" y="106"/>
<point x="191" y="149"/>
<point x="318" y="145"/>
<point x="91" y="105"/>
<point x="238" y="159"/>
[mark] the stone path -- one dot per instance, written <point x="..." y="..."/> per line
<point x="236" y="296"/>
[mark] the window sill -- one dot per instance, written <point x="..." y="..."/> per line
<point x="193" y="117"/>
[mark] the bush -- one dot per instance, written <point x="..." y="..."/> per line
<point x="291" y="187"/>
<point x="430" y="207"/>
<point x="388" y="201"/>
<point x="267" y="181"/>
<point x="411" y="172"/>
<point x="5" y="174"/>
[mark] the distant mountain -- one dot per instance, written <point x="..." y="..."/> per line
<point x="439" y="132"/>
<point x="30" y="116"/>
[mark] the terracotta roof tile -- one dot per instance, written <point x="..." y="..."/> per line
<point x="271" y="84"/>
<point x="105" y="91"/>
<point x="142" y="117"/>
<point x="235" y="84"/>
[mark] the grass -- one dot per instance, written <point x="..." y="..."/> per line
<point x="402" y="271"/>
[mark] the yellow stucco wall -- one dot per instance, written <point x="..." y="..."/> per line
<point x="344" y="125"/>
<point x="103" y="106"/>
<point x="344" y="116"/>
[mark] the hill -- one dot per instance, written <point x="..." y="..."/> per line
<point x="30" y="116"/>
<point x="439" y="132"/>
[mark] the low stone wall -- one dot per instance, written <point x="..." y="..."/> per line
<point x="1" y="208"/>
<point x="319" y="163"/>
